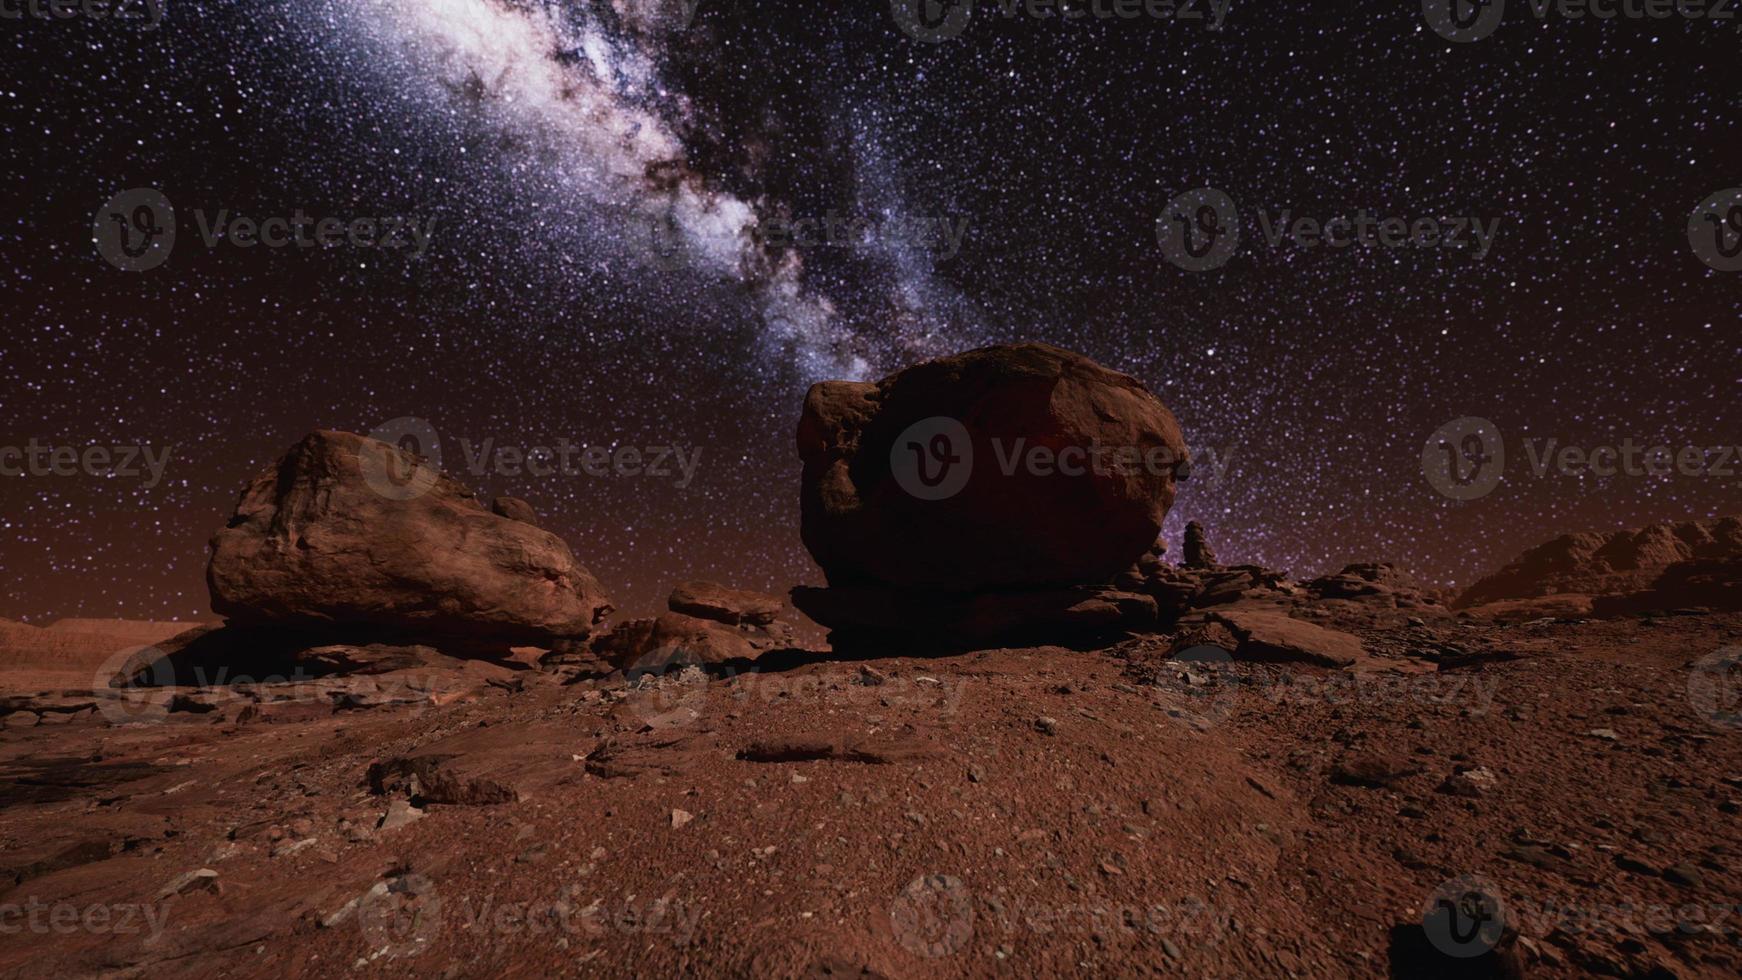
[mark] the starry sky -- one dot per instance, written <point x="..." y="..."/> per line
<point x="610" y="189"/>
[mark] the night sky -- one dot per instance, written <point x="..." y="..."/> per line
<point x="608" y="186"/>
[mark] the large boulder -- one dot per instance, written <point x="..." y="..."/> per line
<point x="347" y="531"/>
<point x="1615" y="563"/>
<point x="1004" y="467"/>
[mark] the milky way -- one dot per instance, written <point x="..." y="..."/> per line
<point x="615" y="188"/>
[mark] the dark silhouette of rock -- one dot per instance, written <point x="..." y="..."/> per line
<point x="1198" y="553"/>
<point x="1007" y="467"/>
<point x="1615" y="563"/>
<point x="1710" y="583"/>
<point x="1007" y="616"/>
<point x="349" y="532"/>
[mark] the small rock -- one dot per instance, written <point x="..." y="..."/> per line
<point x="1685" y="875"/>
<point x="1470" y="783"/>
<point x="1606" y="734"/>
<point x="680" y="817"/>
<point x="399" y="813"/>
<point x="1046" y="726"/>
<point x="205" y="879"/>
<point x="872" y="677"/>
<point x="1634" y="865"/>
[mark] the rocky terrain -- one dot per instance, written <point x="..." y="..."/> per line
<point x="420" y="744"/>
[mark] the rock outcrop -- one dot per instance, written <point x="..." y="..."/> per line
<point x="1198" y="553"/>
<point x="348" y="532"/>
<point x="514" y="509"/>
<point x="1613" y="564"/>
<point x="707" y="624"/>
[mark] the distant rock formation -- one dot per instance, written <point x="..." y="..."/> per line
<point x="1618" y="563"/>
<point x="349" y="532"/>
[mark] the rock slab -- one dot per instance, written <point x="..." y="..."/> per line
<point x="348" y="531"/>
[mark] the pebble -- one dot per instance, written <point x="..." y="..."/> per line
<point x="1685" y="875"/>
<point x="205" y="879"/>
<point x="1046" y="726"/>
<point x="399" y="813"/>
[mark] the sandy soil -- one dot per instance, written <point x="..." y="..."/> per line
<point x="1004" y="812"/>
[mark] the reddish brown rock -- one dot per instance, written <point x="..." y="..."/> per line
<point x="351" y="532"/>
<point x="1273" y="636"/>
<point x="1616" y="563"/>
<point x="498" y="764"/>
<point x="706" y="600"/>
<point x="514" y="509"/>
<point x="881" y="502"/>
<point x="671" y="639"/>
<point x="1198" y="553"/>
